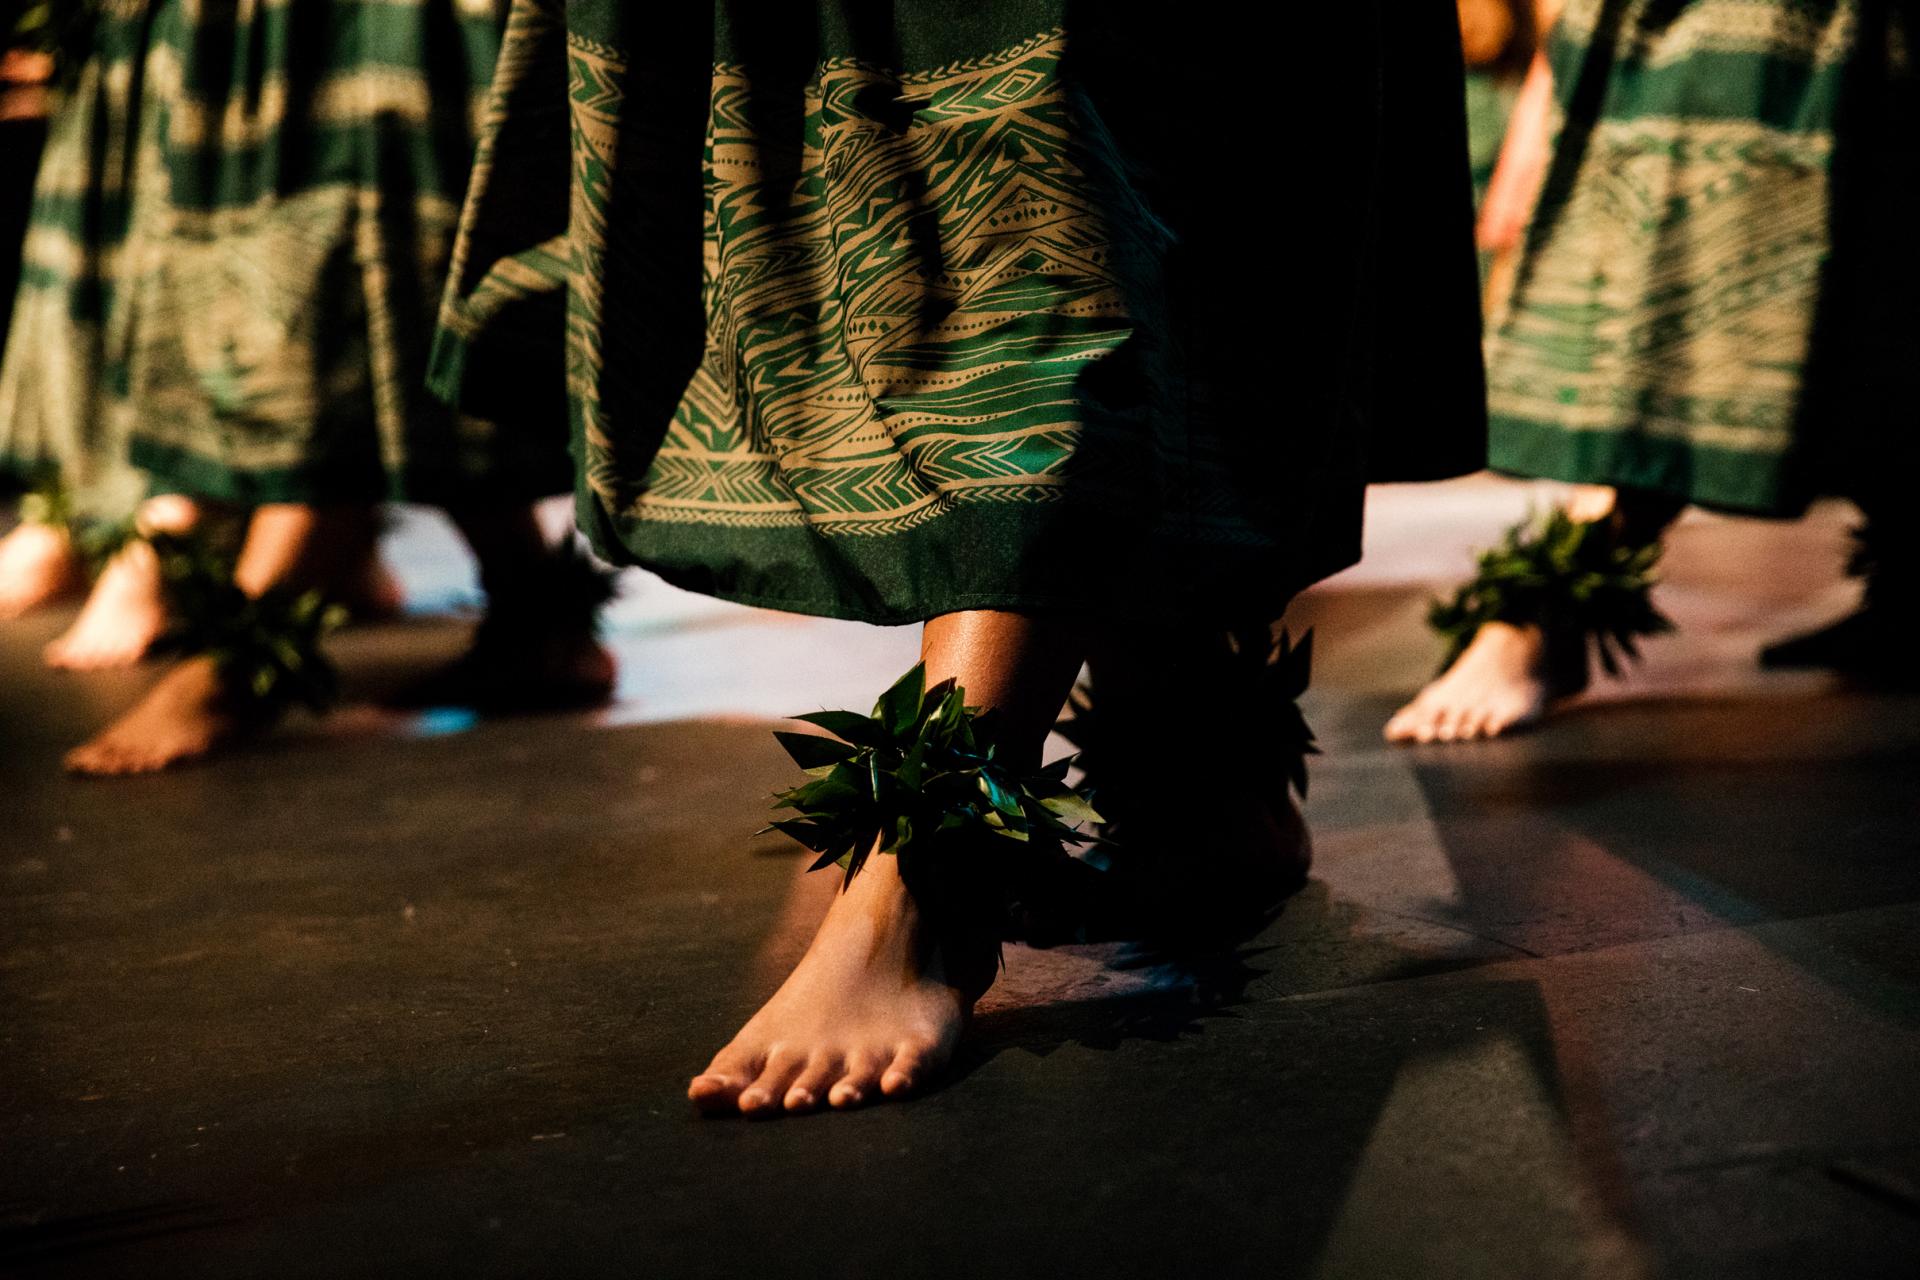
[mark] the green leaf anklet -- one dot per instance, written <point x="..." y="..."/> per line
<point x="1561" y="575"/>
<point x="266" y="647"/>
<point x="96" y="540"/>
<point x="48" y="503"/>
<point x="923" y="778"/>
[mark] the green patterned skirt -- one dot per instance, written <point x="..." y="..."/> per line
<point x="239" y="236"/>
<point x="1716" y="299"/>
<point x="885" y="310"/>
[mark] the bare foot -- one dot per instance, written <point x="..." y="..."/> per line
<point x="185" y="716"/>
<point x="37" y="566"/>
<point x="124" y="615"/>
<point x="872" y="1011"/>
<point x="1503" y="682"/>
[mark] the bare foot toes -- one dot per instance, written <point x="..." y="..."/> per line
<point x="1501" y="683"/>
<point x="124" y="615"/>
<point x="809" y="1090"/>
<point x="38" y="566"/>
<point x="187" y="714"/>
<point x="913" y="1062"/>
<point x="873" y="1000"/>
<point x="715" y="1093"/>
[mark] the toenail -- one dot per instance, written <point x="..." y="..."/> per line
<point x="755" y="1098"/>
<point x="799" y="1098"/>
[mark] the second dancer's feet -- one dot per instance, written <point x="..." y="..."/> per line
<point x="185" y="716"/>
<point x="123" y="617"/>
<point x="1505" y="680"/>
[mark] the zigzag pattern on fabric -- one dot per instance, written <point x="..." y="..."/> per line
<point x="900" y="308"/>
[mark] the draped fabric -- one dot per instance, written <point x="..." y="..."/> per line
<point x="1715" y="300"/>
<point x="884" y="310"/>
<point x="239" y="236"/>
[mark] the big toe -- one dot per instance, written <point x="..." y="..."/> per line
<point x="715" y="1094"/>
<point x="1406" y="723"/>
<point x="95" y="759"/>
<point x="717" y="1089"/>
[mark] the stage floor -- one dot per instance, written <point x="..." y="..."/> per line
<point x="1635" y="995"/>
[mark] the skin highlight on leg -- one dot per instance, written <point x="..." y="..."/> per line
<point x="1510" y="676"/>
<point x="126" y="612"/>
<point x="190" y="712"/>
<point x="876" y="1006"/>
<point x="38" y="566"/>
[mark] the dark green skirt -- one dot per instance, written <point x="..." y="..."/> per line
<point x="1716" y="298"/>
<point x="885" y="310"/>
<point x="238" y="241"/>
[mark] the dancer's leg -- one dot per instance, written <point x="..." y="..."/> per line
<point x="127" y="608"/>
<point x="1875" y="642"/>
<point x="1156" y="688"/>
<point x="536" y="649"/>
<point x="190" y="712"/>
<point x="1509" y="676"/>
<point x="877" y="1004"/>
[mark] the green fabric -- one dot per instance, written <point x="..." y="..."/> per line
<point x="883" y="310"/>
<point x="1704" y="306"/>
<point x="239" y="236"/>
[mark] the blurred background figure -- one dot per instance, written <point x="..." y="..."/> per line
<point x="1501" y="39"/>
<point x="1712" y="304"/>
<point x="35" y="565"/>
<point x="25" y="70"/>
<point x="237" y="242"/>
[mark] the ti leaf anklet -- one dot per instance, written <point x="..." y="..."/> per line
<point x="1566" y="577"/>
<point x="925" y="779"/>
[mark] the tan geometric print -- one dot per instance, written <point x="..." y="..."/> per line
<point x="1690" y="253"/>
<point x="899" y="311"/>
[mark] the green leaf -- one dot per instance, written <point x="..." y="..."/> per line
<point x="899" y="707"/>
<point x="847" y="725"/>
<point x="811" y="751"/>
<point x="1071" y="806"/>
<point x="832" y="792"/>
<point x="998" y="794"/>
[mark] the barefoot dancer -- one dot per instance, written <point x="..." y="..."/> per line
<point x="972" y="316"/>
<point x="288" y="181"/>
<point x="1714" y="307"/>
<point x="52" y="419"/>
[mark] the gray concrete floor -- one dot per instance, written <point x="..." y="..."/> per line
<point x="1637" y="995"/>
